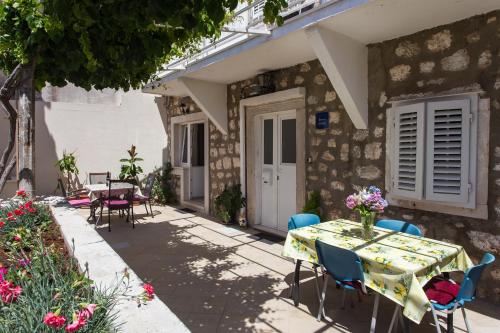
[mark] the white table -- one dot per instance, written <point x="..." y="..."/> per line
<point x="117" y="189"/>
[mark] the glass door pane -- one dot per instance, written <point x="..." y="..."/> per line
<point x="268" y="141"/>
<point x="288" y="141"/>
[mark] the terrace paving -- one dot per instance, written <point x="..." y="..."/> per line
<point x="218" y="278"/>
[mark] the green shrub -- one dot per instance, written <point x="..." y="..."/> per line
<point x="313" y="204"/>
<point x="229" y="202"/>
<point x="164" y="186"/>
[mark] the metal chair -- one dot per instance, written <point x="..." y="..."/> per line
<point x="118" y="203"/>
<point x="79" y="199"/>
<point x="145" y="197"/>
<point x="344" y="266"/>
<point x="300" y="221"/>
<point x="99" y="177"/>
<point x="400" y="226"/>
<point x="447" y="295"/>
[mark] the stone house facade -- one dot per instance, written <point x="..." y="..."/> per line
<point x="457" y="58"/>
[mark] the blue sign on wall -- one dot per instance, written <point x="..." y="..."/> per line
<point x="322" y="120"/>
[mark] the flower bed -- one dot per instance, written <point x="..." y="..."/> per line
<point x="41" y="289"/>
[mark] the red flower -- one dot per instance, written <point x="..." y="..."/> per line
<point x="2" y="223"/>
<point x="21" y="193"/>
<point x="8" y="292"/>
<point x="18" y="212"/>
<point x="149" y="289"/>
<point x="10" y="216"/>
<point x="17" y="237"/>
<point x="53" y="320"/>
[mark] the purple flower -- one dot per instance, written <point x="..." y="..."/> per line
<point x="24" y="262"/>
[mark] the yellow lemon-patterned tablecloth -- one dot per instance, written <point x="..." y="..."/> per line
<point x="395" y="264"/>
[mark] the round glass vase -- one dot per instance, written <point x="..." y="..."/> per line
<point x="367" y="222"/>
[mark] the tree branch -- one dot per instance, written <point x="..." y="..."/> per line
<point x="6" y="173"/>
<point x="11" y="83"/>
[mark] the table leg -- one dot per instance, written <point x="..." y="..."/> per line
<point x="296" y="288"/>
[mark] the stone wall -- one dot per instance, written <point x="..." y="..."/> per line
<point x="457" y="57"/>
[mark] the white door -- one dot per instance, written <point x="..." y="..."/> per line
<point x="277" y="171"/>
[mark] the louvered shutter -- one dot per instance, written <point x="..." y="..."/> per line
<point x="409" y="121"/>
<point x="448" y="145"/>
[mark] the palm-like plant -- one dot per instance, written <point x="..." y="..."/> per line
<point x="130" y="169"/>
<point x="67" y="166"/>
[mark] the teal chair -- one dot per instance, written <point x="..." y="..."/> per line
<point x="447" y="295"/>
<point x="344" y="266"/>
<point x="294" y="222"/>
<point x="399" y="226"/>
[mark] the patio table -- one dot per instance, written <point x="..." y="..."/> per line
<point x="395" y="264"/>
<point x="117" y="189"/>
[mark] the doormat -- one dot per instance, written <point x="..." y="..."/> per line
<point x="269" y="237"/>
<point x="187" y="210"/>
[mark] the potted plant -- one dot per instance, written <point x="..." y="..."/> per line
<point x="67" y="166"/>
<point x="130" y="169"/>
<point x="313" y="204"/>
<point x="229" y="202"/>
<point x="368" y="202"/>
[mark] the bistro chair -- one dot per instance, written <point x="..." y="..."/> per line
<point x="399" y="226"/>
<point x="294" y="222"/>
<point x="79" y="199"/>
<point x="119" y="203"/>
<point x="145" y="196"/>
<point x="344" y="266"/>
<point x="99" y="177"/>
<point x="447" y="295"/>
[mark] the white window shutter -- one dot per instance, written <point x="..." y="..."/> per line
<point x="409" y="122"/>
<point x="448" y="147"/>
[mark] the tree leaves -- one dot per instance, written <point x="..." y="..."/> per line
<point x="108" y="43"/>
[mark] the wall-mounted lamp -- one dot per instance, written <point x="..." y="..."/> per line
<point x="184" y="108"/>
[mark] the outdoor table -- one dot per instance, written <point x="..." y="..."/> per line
<point x="98" y="191"/>
<point x="117" y="189"/>
<point x="395" y="264"/>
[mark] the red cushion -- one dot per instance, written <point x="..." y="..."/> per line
<point x="116" y="203"/>
<point x="441" y="291"/>
<point x="79" y="202"/>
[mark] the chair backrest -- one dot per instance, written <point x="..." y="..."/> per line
<point x="98" y="177"/>
<point x="128" y="195"/>
<point x="148" y="187"/>
<point x="472" y="277"/>
<point x="400" y="226"/>
<point x="302" y="220"/>
<point x="342" y="264"/>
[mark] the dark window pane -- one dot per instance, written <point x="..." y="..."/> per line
<point x="288" y="144"/>
<point x="268" y="141"/>
<point x="184" y="147"/>
<point x="197" y="144"/>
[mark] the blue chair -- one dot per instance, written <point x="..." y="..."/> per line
<point x="399" y="226"/>
<point x="344" y="266"/>
<point x="447" y="295"/>
<point x="294" y="222"/>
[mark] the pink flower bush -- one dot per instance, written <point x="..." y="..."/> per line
<point x="366" y="201"/>
<point x="54" y="320"/>
<point x="8" y="292"/>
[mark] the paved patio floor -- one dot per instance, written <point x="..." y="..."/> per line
<point x="223" y="279"/>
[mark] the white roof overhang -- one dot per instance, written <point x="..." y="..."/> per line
<point x="360" y="21"/>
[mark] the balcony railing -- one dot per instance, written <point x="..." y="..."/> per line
<point x="246" y="24"/>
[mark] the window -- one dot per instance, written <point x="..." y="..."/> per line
<point x="258" y="10"/>
<point x="434" y="150"/>
<point x="288" y="141"/>
<point x="268" y="141"/>
<point x="184" y="144"/>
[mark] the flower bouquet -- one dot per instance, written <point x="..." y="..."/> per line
<point x="368" y="202"/>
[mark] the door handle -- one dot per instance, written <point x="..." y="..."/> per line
<point x="265" y="182"/>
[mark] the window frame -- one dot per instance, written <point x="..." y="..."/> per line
<point x="478" y="157"/>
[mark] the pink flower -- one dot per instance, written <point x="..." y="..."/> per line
<point x="8" y="292"/>
<point x="75" y="326"/>
<point x="24" y="262"/>
<point x="18" y="212"/>
<point x="53" y="320"/>
<point x="149" y="289"/>
<point x="17" y="237"/>
<point x="21" y="193"/>
<point x="87" y="312"/>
